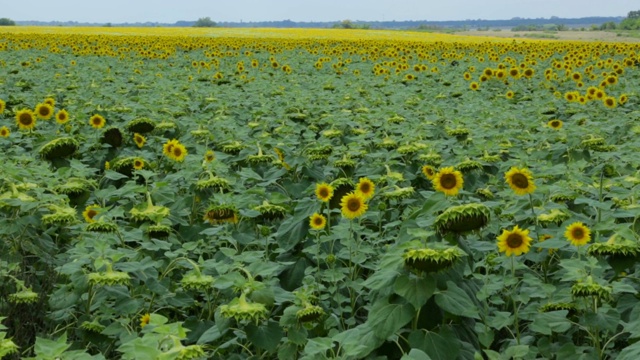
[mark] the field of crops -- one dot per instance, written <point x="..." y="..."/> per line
<point x="317" y="194"/>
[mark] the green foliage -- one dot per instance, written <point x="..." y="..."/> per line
<point x="205" y="22"/>
<point x="7" y="22"/>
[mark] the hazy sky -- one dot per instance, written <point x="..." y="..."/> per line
<point x="169" y="11"/>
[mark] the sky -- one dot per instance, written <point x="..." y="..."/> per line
<point x="170" y="11"/>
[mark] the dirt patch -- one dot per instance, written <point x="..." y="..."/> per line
<point x="553" y="35"/>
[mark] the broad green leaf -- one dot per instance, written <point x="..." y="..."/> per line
<point x="265" y="337"/>
<point x="416" y="354"/>
<point x="553" y="321"/>
<point x="385" y="319"/>
<point x="456" y="301"/>
<point x="435" y="345"/>
<point x="416" y="290"/>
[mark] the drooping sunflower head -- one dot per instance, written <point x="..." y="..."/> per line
<point x="59" y="148"/>
<point x="520" y="180"/>
<point x="112" y="136"/>
<point x="431" y="260"/>
<point x="324" y="192"/>
<point x="578" y="234"/>
<point x="97" y="121"/>
<point x="141" y="125"/>
<point x="463" y="218"/>
<point x="366" y="188"/>
<point x="317" y="221"/>
<point x="25" y="119"/>
<point x="448" y="180"/>
<point x="218" y="214"/>
<point x="270" y="211"/>
<point x="44" y="111"/>
<point x="353" y="205"/>
<point x="62" y="117"/>
<point x="158" y="231"/>
<point x="514" y="242"/>
<point x="555" y="124"/>
<point x="309" y="313"/>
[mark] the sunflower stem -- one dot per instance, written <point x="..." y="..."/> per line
<point x="535" y="218"/>
<point x="513" y="300"/>
<point x="599" y="211"/>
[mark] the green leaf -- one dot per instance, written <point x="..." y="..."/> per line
<point x="435" y="345"/>
<point x="416" y="354"/>
<point x="456" y="301"/>
<point x="553" y="321"/>
<point x="631" y="352"/>
<point x="265" y="337"/>
<point x="212" y="334"/>
<point x="294" y="229"/>
<point x="517" y="351"/>
<point x="318" y="345"/>
<point x="416" y="290"/>
<point x="51" y="349"/>
<point x="385" y="319"/>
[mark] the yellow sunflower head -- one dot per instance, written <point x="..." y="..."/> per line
<point x="178" y="152"/>
<point x="44" y="111"/>
<point x="97" y="121"/>
<point x="324" y="192"/>
<point x="167" y="148"/>
<point x="25" y="119"/>
<point x="578" y="234"/>
<point x="353" y="205"/>
<point x="62" y="117"/>
<point x="317" y="221"/>
<point x="5" y="132"/>
<point x="514" y="242"/>
<point x="139" y="140"/>
<point x="429" y="171"/>
<point x="555" y="124"/>
<point x="520" y="180"/>
<point x="138" y="164"/>
<point x="51" y="101"/>
<point x="90" y="212"/>
<point x="448" y="180"/>
<point x="144" y="320"/>
<point x="366" y="188"/>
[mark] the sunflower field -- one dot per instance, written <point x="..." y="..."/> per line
<point x="317" y="194"/>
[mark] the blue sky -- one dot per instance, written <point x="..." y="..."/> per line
<point x="169" y="11"/>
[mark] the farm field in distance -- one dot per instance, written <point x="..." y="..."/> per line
<point x="174" y="193"/>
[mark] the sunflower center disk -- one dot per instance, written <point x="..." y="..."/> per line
<point x="577" y="234"/>
<point x="514" y="241"/>
<point x="520" y="181"/>
<point x="353" y="205"/>
<point x="448" y="181"/>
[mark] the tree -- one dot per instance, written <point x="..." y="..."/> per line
<point x="205" y="22"/>
<point x="7" y="22"/>
<point x="634" y="14"/>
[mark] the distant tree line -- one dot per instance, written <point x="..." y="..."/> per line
<point x="205" y="22"/>
<point x="7" y="22"/>
<point x="632" y="21"/>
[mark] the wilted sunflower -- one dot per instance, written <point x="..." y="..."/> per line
<point x="514" y="242"/>
<point x="366" y="188"/>
<point x="555" y="124"/>
<point x="324" y="192"/>
<point x="139" y="140"/>
<point x="520" y="180"/>
<point x="353" y="205"/>
<point x="25" y="119"/>
<point x="44" y="111"/>
<point x="5" y="132"/>
<point x="317" y="221"/>
<point x="62" y="117"/>
<point x="90" y="212"/>
<point x="448" y="181"/>
<point x="578" y="234"/>
<point x="97" y="121"/>
<point x="217" y="214"/>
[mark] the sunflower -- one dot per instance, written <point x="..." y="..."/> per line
<point x="3" y="106"/>
<point x="44" y="111"/>
<point x="555" y="124"/>
<point x="324" y="192"/>
<point x="144" y="320"/>
<point x="167" y="148"/>
<point x="365" y="188"/>
<point x="578" y="234"/>
<point x="509" y="94"/>
<point x="448" y="181"/>
<point x="90" y="212"/>
<point x="429" y="171"/>
<point x="474" y="86"/>
<point x="26" y="119"/>
<point x="209" y="156"/>
<point x="97" y="121"/>
<point x="353" y="205"/>
<point x="62" y="117"/>
<point x="514" y="242"/>
<point x="520" y="180"/>
<point x="138" y="164"/>
<point x="623" y="99"/>
<point x="317" y="221"/>
<point x="5" y="132"/>
<point x="609" y="101"/>
<point x="178" y="152"/>
<point x="139" y="140"/>
<point x="50" y="101"/>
